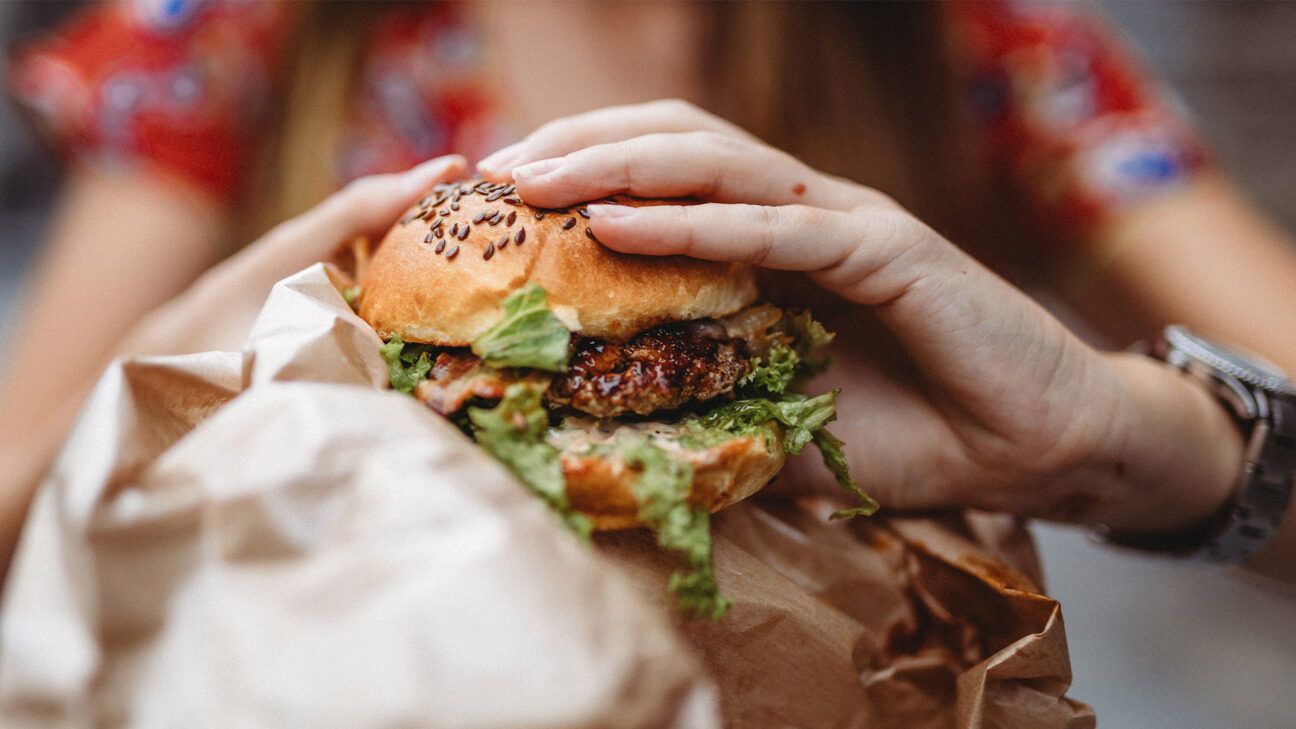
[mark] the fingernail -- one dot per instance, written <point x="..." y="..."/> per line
<point x="536" y="169"/>
<point x="609" y="211"/>
<point x="498" y="160"/>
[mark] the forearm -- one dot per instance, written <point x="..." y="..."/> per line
<point x="119" y="244"/>
<point x="1202" y="257"/>
<point x="1206" y="258"/>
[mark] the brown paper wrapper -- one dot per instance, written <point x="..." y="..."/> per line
<point x="269" y="538"/>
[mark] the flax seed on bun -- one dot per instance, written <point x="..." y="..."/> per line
<point x="441" y="273"/>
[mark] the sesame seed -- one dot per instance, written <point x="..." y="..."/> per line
<point x="490" y="251"/>
<point x="454" y="205"/>
<point x="583" y="212"/>
<point x="454" y="229"/>
<point x="480" y="216"/>
<point x="590" y="234"/>
<point x="539" y="215"/>
<point x="452" y="252"/>
<point x="513" y="200"/>
<point x="503" y="242"/>
<point x="430" y="237"/>
<point x="436" y="222"/>
<point x="443" y="212"/>
<point x="463" y="232"/>
<point x="438" y="231"/>
<point x="569" y="223"/>
<point x="440" y="246"/>
<point x="512" y="216"/>
<point x="520" y="238"/>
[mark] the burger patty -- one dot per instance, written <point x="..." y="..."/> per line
<point x="660" y="369"/>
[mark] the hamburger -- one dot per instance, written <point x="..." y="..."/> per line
<point x="624" y="390"/>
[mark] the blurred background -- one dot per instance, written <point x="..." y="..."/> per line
<point x="1153" y="644"/>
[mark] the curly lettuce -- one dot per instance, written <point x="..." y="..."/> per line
<point x="528" y="335"/>
<point x="792" y="355"/>
<point x="407" y="365"/>
<point x="773" y="373"/>
<point x="804" y="420"/>
<point x="514" y="433"/>
<point x="662" y="491"/>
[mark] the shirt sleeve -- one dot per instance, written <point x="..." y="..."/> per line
<point x="177" y="85"/>
<point x="1067" y="112"/>
<point x="424" y="90"/>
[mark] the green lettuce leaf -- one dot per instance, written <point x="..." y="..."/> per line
<point x="799" y="415"/>
<point x="830" y="447"/>
<point x="804" y="420"/>
<point x="513" y="432"/>
<point x="529" y="335"/>
<point x="792" y="355"/>
<point x="351" y="295"/>
<point x="772" y="374"/>
<point x="662" y="491"/>
<point x="406" y="365"/>
<point x="809" y="335"/>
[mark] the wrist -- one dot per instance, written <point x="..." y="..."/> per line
<point x="1175" y="453"/>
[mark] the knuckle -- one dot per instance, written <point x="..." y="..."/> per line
<point x="891" y="228"/>
<point x="361" y="189"/>
<point x="810" y="215"/>
<point x="674" y="105"/>
<point x="691" y="219"/>
<point x="878" y="200"/>
<point x="767" y="217"/>
<point x="713" y="140"/>
<point x="768" y="220"/>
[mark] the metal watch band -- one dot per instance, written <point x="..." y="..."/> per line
<point x="1265" y="491"/>
<point x="1263" y="403"/>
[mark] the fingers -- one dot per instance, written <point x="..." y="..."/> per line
<point x="853" y="254"/>
<point x="366" y="206"/>
<point x="370" y="204"/>
<point x="602" y="126"/>
<point x="699" y="164"/>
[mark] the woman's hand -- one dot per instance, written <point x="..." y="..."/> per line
<point x="996" y="404"/>
<point x="217" y="311"/>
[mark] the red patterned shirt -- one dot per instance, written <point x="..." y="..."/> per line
<point x="183" y="86"/>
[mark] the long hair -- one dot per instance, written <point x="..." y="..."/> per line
<point x="862" y="90"/>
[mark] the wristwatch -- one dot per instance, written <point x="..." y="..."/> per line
<point x="1263" y="402"/>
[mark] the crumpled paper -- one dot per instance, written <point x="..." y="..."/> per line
<point x="269" y="538"/>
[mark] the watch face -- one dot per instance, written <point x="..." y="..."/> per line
<point x="1243" y="365"/>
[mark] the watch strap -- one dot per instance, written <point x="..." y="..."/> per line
<point x="1264" y="495"/>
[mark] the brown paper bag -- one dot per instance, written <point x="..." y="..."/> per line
<point x="271" y="539"/>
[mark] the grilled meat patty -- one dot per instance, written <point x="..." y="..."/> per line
<point x="660" y="369"/>
<point x="663" y="368"/>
